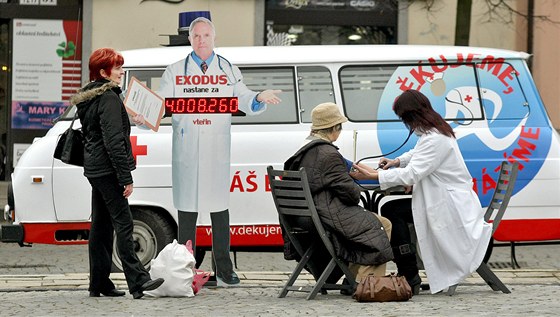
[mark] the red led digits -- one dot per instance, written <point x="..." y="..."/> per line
<point x="202" y="105"/>
<point x="180" y="105"/>
<point x="212" y="105"/>
<point x="223" y="105"/>
<point x="191" y="105"/>
<point x="234" y="105"/>
<point x="169" y="105"/>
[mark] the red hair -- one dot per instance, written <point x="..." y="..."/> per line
<point x="103" y="58"/>
<point x="416" y="111"/>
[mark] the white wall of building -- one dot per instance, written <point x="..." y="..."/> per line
<point x="130" y="24"/>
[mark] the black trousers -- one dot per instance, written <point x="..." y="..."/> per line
<point x="221" y="261"/>
<point x="399" y="212"/>
<point x="110" y="211"/>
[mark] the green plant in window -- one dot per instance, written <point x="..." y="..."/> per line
<point x="66" y="51"/>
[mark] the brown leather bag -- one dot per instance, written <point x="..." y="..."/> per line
<point x="387" y="288"/>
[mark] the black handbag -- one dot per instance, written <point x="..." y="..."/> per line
<point x="70" y="146"/>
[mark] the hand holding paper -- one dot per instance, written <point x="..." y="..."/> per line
<point x="144" y="105"/>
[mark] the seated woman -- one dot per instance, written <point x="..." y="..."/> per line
<point x="448" y="217"/>
<point x="359" y="236"/>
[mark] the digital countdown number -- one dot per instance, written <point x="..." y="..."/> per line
<point x="202" y="105"/>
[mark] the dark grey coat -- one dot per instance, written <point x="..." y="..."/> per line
<point x="106" y="130"/>
<point x="358" y="235"/>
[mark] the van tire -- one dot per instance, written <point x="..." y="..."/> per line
<point x="152" y="232"/>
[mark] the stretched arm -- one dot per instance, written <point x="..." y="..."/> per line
<point x="364" y="172"/>
<point x="269" y="96"/>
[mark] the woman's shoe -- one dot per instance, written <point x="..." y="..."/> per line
<point x="112" y="293"/>
<point x="225" y="280"/>
<point x="148" y="286"/>
<point x="415" y="283"/>
<point x="347" y="291"/>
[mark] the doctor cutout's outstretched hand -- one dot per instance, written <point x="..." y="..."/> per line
<point x="269" y="96"/>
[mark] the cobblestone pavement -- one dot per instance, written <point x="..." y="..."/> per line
<point x="52" y="281"/>
<point x="525" y="300"/>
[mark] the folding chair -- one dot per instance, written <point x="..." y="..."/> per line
<point x="292" y="196"/>
<point x="500" y="201"/>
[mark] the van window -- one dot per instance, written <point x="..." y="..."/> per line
<point x="504" y="79"/>
<point x="149" y="77"/>
<point x="363" y="86"/>
<point x="315" y="87"/>
<point x="259" y="79"/>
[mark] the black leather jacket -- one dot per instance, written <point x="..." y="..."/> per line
<point x="106" y="130"/>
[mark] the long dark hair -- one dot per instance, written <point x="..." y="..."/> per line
<point x="416" y="111"/>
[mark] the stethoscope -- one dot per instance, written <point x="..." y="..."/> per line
<point x="220" y="58"/>
<point x="464" y="107"/>
<point x="387" y="154"/>
<point x="410" y="132"/>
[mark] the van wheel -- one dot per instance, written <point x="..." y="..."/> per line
<point x="152" y="232"/>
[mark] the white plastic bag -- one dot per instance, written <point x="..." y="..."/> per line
<point x="175" y="264"/>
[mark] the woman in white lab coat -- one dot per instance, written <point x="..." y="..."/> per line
<point x="448" y="217"/>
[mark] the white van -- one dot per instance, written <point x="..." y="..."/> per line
<point x="487" y="95"/>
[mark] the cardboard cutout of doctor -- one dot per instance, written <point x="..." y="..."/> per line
<point x="201" y="142"/>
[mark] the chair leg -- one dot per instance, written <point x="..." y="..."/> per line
<point x="349" y="275"/>
<point x="319" y="285"/>
<point x="491" y="279"/>
<point x="451" y="290"/>
<point x="514" y="264"/>
<point x="295" y="274"/>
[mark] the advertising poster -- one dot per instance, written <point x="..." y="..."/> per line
<point x="46" y="70"/>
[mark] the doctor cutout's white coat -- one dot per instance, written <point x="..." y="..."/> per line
<point x="201" y="143"/>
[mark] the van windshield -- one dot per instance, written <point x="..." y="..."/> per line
<point x="68" y="114"/>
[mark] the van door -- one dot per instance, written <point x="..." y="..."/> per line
<point x="70" y="189"/>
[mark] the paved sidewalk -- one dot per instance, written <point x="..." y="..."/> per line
<point x="79" y="281"/>
<point x="49" y="280"/>
<point x="534" y="293"/>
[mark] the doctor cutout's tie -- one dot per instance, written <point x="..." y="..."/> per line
<point x="204" y="67"/>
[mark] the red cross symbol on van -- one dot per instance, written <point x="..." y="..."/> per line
<point x="136" y="148"/>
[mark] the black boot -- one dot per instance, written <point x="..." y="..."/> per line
<point x="225" y="276"/>
<point x="405" y="258"/>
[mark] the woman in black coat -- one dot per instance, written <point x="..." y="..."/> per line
<point x="359" y="236"/>
<point x="108" y="163"/>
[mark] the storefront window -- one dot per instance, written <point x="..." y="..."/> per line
<point x="319" y="22"/>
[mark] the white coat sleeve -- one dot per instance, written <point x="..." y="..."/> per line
<point x="245" y="95"/>
<point x="428" y="155"/>
<point x="405" y="158"/>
